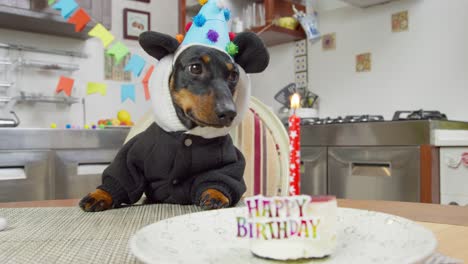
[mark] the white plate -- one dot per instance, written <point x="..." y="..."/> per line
<point x="210" y="237"/>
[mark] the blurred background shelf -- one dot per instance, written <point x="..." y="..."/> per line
<point x="271" y="34"/>
<point x="46" y="65"/>
<point x="25" y="98"/>
<point x="274" y="35"/>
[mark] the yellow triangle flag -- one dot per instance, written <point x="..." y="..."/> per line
<point x="96" y="88"/>
<point x="99" y="31"/>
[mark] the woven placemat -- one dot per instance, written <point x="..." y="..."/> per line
<point x="69" y="235"/>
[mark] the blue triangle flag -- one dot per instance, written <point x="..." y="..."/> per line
<point x="127" y="91"/>
<point x="66" y="7"/>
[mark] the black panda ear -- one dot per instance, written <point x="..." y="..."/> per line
<point x="253" y="56"/>
<point x="157" y="44"/>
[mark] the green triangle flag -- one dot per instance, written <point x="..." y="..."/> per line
<point x="119" y="51"/>
<point x="51" y="2"/>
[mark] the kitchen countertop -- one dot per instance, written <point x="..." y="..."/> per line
<point x="38" y="138"/>
<point x="449" y="223"/>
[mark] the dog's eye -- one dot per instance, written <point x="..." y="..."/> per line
<point x="196" y="69"/>
<point x="233" y="77"/>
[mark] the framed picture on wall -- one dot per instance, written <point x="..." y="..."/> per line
<point x="135" y="23"/>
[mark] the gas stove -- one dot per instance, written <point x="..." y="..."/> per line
<point x="366" y="157"/>
<point x="398" y="116"/>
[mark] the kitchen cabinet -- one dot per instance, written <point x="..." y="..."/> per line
<point x="270" y="34"/>
<point x="78" y="172"/>
<point x="37" y="16"/>
<point x="43" y="164"/>
<point x="25" y="176"/>
<point x="314" y="170"/>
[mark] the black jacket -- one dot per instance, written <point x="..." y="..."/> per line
<point x="174" y="168"/>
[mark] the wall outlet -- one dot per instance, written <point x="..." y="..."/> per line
<point x="300" y="64"/>
<point x="301" y="79"/>
<point x="301" y="48"/>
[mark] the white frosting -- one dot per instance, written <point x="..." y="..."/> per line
<point x="290" y="249"/>
<point x="3" y="224"/>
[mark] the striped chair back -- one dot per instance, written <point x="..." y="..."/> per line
<point x="264" y="142"/>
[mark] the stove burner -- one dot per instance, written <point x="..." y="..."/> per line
<point x="341" y="120"/>
<point x="363" y="118"/>
<point x="418" y="115"/>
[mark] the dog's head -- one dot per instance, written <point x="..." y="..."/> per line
<point x="204" y="79"/>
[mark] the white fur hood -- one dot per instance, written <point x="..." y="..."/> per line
<point x="164" y="111"/>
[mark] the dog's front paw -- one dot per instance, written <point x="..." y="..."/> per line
<point x="213" y="199"/>
<point x="96" y="201"/>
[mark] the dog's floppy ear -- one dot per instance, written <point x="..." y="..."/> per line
<point x="158" y="44"/>
<point x="253" y="56"/>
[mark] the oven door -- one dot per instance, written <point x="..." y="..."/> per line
<point x="374" y="173"/>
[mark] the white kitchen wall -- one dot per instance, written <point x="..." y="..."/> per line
<point x="279" y="73"/>
<point x="425" y="67"/>
<point x="164" y="18"/>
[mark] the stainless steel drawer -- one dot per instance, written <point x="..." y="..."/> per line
<point x="314" y="170"/>
<point x="375" y="173"/>
<point x="25" y="176"/>
<point x="78" y="172"/>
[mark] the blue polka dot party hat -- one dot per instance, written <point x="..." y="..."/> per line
<point x="209" y="27"/>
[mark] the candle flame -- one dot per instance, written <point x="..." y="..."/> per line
<point x="295" y="101"/>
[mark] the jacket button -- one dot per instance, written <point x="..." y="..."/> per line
<point x="175" y="182"/>
<point x="188" y="142"/>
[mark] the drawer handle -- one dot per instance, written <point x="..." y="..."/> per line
<point x="371" y="169"/>
<point x="12" y="173"/>
<point x="91" y="168"/>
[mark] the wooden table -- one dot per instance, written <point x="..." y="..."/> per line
<point x="449" y="223"/>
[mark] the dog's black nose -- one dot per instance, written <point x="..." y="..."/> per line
<point x="226" y="115"/>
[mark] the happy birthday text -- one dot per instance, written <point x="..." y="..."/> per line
<point x="277" y="218"/>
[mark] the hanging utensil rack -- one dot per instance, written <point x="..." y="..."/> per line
<point x="45" y="65"/>
<point x="43" y="50"/>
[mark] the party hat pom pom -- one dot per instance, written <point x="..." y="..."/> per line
<point x="212" y="36"/>
<point x="199" y="20"/>
<point x="180" y="38"/>
<point x="202" y="2"/>
<point x="232" y="35"/>
<point x="221" y="4"/>
<point x="227" y="14"/>
<point x="188" y="26"/>
<point x="232" y="49"/>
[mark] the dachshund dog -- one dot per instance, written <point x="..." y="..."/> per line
<point x="186" y="157"/>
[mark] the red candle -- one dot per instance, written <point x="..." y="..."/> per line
<point x="295" y="148"/>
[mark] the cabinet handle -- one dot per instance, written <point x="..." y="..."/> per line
<point x="12" y="173"/>
<point x="371" y="169"/>
<point x="91" y="168"/>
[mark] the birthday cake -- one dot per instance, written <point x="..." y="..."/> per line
<point x="289" y="228"/>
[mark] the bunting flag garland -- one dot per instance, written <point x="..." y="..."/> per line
<point x="66" y="7"/>
<point x="96" y="88"/>
<point x="66" y="85"/>
<point x="135" y="65"/>
<point x="80" y="19"/>
<point x="146" y="82"/>
<point x="99" y="31"/>
<point x="119" y="51"/>
<point x="127" y="91"/>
